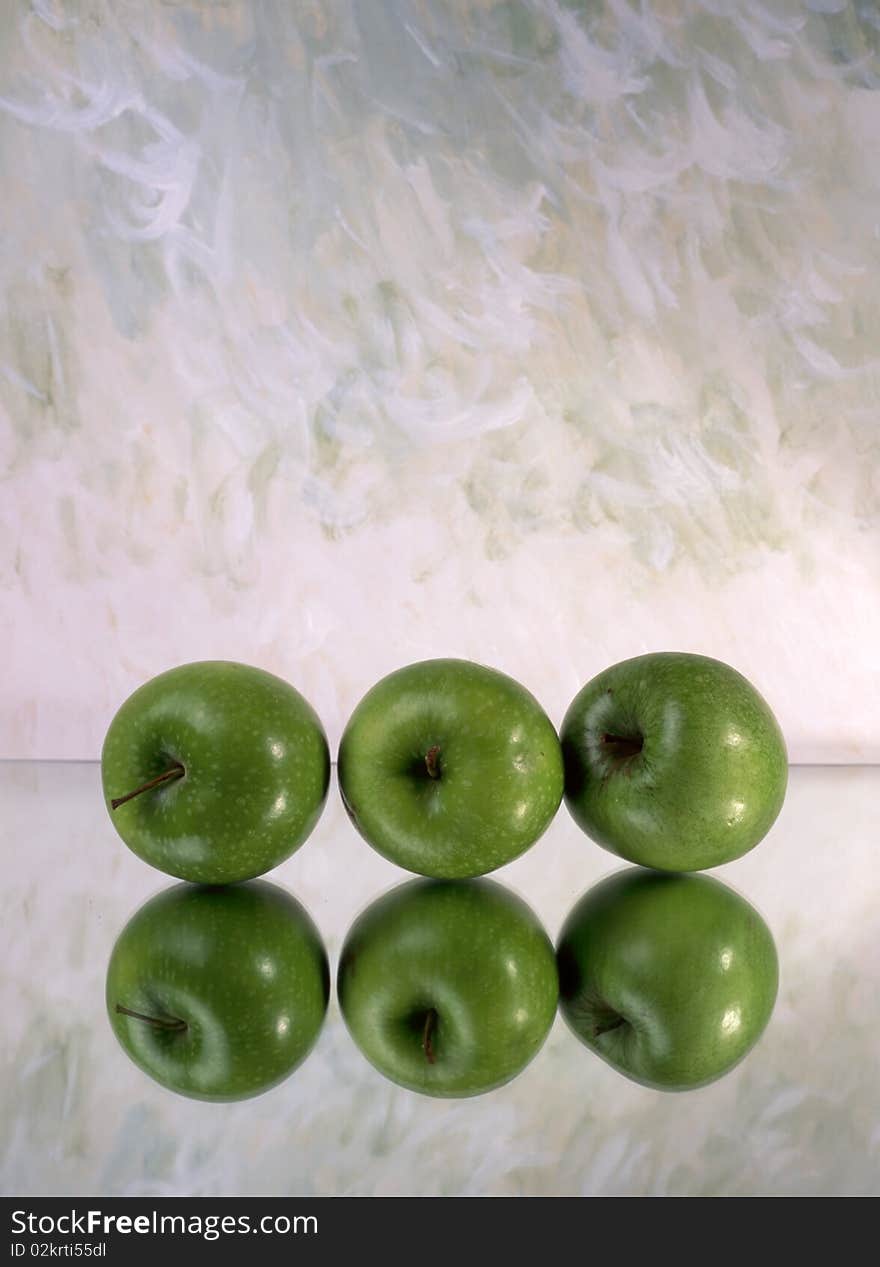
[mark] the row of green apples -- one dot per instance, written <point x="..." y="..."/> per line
<point x="448" y="987"/>
<point x="215" y="772"/>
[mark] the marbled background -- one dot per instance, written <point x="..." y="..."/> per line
<point x="335" y="335"/>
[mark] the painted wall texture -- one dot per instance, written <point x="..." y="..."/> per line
<point x="335" y="335"/>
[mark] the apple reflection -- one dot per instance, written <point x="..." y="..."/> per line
<point x="218" y="993"/>
<point x="448" y="987"/>
<point x="671" y="979"/>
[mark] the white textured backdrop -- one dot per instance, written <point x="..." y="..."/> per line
<point x="335" y="335"/>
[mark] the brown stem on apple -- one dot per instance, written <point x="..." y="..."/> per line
<point x="173" y="1023"/>
<point x="622" y="746"/>
<point x="427" y="1047"/>
<point x="173" y="773"/>
<point x="432" y="762"/>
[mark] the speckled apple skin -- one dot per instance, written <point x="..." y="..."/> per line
<point x="501" y="774"/>
<point x="669" y="978"/>
<point x="243" y="966"/>
<point x="257" y="771"/>
<point x="469" y="949"/>
<point x="710" y="779"/>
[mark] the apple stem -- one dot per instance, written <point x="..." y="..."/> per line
<point x="432" y="762"/>
<point x="427" y="1047"/>
<point x="174" y="773"/>
<point x="161" y="1022"/>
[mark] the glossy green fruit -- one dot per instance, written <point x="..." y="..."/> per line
<point x="450" y="769"/>
<point x="248" y="768"/>
<point x="230" y="986"/>
<point x="448" y="987"/>
<point x="673" y="761"/>
<point x="670" y="978"/>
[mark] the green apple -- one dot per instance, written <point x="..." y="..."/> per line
<point x="450" y="769"/>
<point x="215" y="772"/>
<point x="669" y="978"/>
<point x="673" y="761"/>
<point x="218" y="993"/>
<point x="448" y="987"/>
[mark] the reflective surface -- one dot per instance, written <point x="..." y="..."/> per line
<point x="799" y="1115"/>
